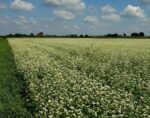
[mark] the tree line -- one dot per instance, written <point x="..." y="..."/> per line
<point x="109" y="35"/>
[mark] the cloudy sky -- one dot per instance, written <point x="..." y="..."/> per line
<point x="74" y="16"/>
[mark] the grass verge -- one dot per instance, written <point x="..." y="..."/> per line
<point x="11" y="103"/>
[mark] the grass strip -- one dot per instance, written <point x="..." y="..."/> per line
<point x="11" y="103"/>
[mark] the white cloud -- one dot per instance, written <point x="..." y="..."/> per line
<point x="21" y="22"/>
<point x="110" y="13"/>
<point x="3" y="6"/>
<point x="76" y="27"/>
<point x="63" y="14"/>
<point x="111" y="17"/>
<point x="145" y="1"/>
<point x="24" y="21"/>
<point x="22" y="5"/>
<point x="134" y="11"/>
<point x="108" y="9"/>
<point x="91" y="19"/>
<point x="67" y="4"/>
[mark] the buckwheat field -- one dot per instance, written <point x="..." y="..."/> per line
<point x="84" y="78"/>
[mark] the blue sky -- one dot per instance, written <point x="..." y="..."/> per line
<point x="94" y="17"/>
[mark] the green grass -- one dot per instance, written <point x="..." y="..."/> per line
<point x="11" y="104"/>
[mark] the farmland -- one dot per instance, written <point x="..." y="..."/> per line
<point x="84" y="78"/>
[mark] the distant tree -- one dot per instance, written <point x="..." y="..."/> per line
<point x="48" y="36"/>
<point x="141" y="34"/>
<point x="73" y="36"/>
<point x="81" y="36"/>
<point x="134" y="34"/>
<point x="115" y="35"/>
<point x="86" y="36"/>
<point x="112" y="35"/>
<point x="54" y="35"/>
<point x="124" y="35"/>
<point x="31" y="35"/>
<point x="18" y="35"/>
<point x="40" y="34"/>
<point x="9" y="35"/>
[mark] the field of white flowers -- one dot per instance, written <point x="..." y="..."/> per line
<point x="85" y="78"/>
